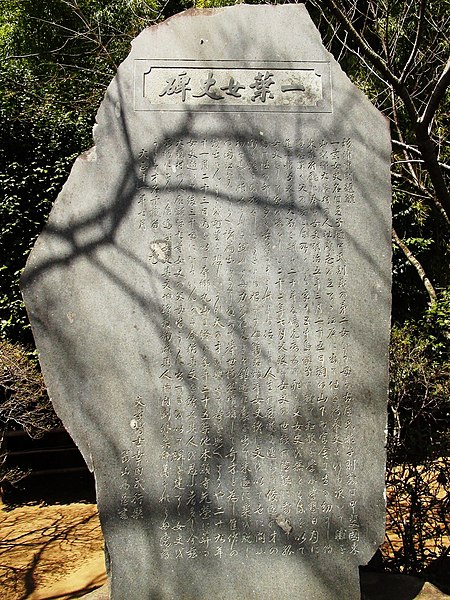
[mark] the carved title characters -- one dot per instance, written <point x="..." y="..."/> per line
<point x="261" y="86"/>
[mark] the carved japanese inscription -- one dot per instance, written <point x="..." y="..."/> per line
<point x="258" y="435"/>
<point x="210" y="301"/>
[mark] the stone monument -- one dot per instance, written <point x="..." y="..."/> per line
<point x="211" y="299"/>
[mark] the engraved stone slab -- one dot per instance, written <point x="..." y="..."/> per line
<point x="211" y="300"/>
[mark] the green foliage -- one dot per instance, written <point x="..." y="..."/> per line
<point x="36" y="150"/>
<point x="418" y="470"/>
<point x="57" y="58"/>
<point x="419" y="399"/>
<point x="214" y="3"/>
<point x="437" y="319"/>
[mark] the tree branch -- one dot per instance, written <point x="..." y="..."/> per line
<point x="425" y="145"/>
<point x="420" y="161"/>
<point x="416" y="264"/>
<point x="375" y="58"/>
<point x="406" y="146"/>
<point x="427" y="150"/>
<point x="436" y="97"/>
<point x="419" y="30"/>
<point x="369" y="51"/>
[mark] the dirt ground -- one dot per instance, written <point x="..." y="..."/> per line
<point x="50" y="552"/>
<point x="55" y="552"/>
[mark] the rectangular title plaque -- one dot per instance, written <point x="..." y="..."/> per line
<point x="232" y="86"/>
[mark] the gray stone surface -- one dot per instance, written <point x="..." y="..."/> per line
<point x="102" y="593"/>
<point x="211" y="300"/>
<point x="374" y="586"/>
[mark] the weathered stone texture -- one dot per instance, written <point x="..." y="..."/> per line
<point x="211" y="302"/>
